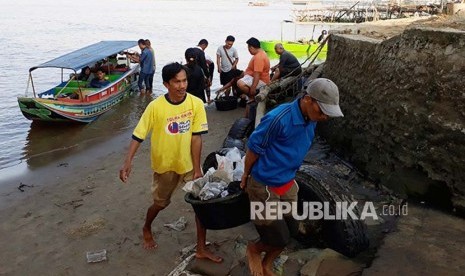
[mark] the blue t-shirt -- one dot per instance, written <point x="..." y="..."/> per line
<point x="282" y="139"/>
<point x="146" y="61"/>
<point x="96" y="83"/>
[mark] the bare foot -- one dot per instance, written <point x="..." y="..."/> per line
<point x="268" y="272"/>
<point x="255" y="260"/>
<point x="205" y="254"/>
<point x="149" y="242"/>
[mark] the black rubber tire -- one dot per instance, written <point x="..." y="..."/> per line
<point x="242" y="103"/>
<point x="348" y="237"/>
<point x="230" y="142"/>
<point x="226" y="103"/>
<point x="241" y="129"/>
<point x="210" y="162"/>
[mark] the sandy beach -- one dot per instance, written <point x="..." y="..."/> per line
<point x="78" y="204"/>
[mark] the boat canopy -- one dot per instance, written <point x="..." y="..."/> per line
<point x="88" y="55"/>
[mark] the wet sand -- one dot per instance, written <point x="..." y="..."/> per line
<point x="426" y="242"/>
<point x="78" y="204"/>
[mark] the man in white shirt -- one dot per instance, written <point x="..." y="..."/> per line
<point x="227" y="59"/>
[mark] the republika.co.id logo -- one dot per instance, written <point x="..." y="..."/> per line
<point x="322" y="210"/>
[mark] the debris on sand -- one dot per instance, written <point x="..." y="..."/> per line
<point x="97" y="256"/>
<point x="87" y="228"/>
<point x="22" y="186"/>
<point x="178" y="225"/>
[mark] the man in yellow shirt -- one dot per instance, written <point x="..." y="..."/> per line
<point x="176" y="120"/>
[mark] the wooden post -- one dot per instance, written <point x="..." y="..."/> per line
<point x="313" y="70"/>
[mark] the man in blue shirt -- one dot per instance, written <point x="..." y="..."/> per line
<point x="146" y="61"/>
<point x="99" y="81"/>
<point x="276" y="150"/>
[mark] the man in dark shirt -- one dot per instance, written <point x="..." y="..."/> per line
<point x="203" y="44"/>
<point x="195" y="76"/>
<point x="288" y="64"/>
<point x="200" y="55"/>
<point x="99" y="81"/>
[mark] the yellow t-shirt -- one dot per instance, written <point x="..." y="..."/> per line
<point x="172" y="126"/>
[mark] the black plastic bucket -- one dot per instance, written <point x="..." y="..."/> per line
<point x="226" y="103"/>
<point x="221" y="213"/>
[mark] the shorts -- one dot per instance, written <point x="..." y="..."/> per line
<point x="248" y="80"/>
<point x="273" y="232"/>
<point x="211" y="70"/>
<point x="163" y="186"/>
<point x="226" y="77"/>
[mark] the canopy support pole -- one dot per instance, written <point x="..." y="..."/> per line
<point x="79" y="86"/>
<point x="27" y="86"/>
<point x="59" y="92"/>
<point x="32" y="82"/>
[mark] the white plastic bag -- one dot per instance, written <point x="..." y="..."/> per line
<point x="225" y="165"/>
<point x="233" y="155"/>
<point x="239" y="170"/>
<point x="225" y="193"/>
<point x="195" y="186"/>
<point x="212" y="190"/>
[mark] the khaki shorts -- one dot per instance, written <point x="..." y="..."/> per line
<point x="163" y="186"/>
<point x="273" y="232"/>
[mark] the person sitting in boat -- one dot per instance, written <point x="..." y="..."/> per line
<point x="323" y="35"/>
<point x="288" y="64"/>
<point x="99" y="81"/>
<point x="86" y="74"/>
<point x="108" y="64"/>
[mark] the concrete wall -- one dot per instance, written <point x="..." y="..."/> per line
<point x="455" y="9"/>
<point x="404" y="101"/>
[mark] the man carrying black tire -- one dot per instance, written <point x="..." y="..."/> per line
<point x="276" y="150"/>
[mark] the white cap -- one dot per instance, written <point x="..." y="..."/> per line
<point x="326" y="94"/>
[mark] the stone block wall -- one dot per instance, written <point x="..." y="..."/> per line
<point x="404" y="105"/>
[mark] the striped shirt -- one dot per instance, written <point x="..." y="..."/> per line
<point x="282" y="139"/>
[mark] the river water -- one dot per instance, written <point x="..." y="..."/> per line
<point x="33" y="32"/>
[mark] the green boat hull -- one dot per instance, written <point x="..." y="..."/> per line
<point x="298" y="49"/>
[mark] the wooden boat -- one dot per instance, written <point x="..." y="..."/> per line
<point x="299" y="49"/>
<point x="258" y="3"/>
<point x="56" y="105"/>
